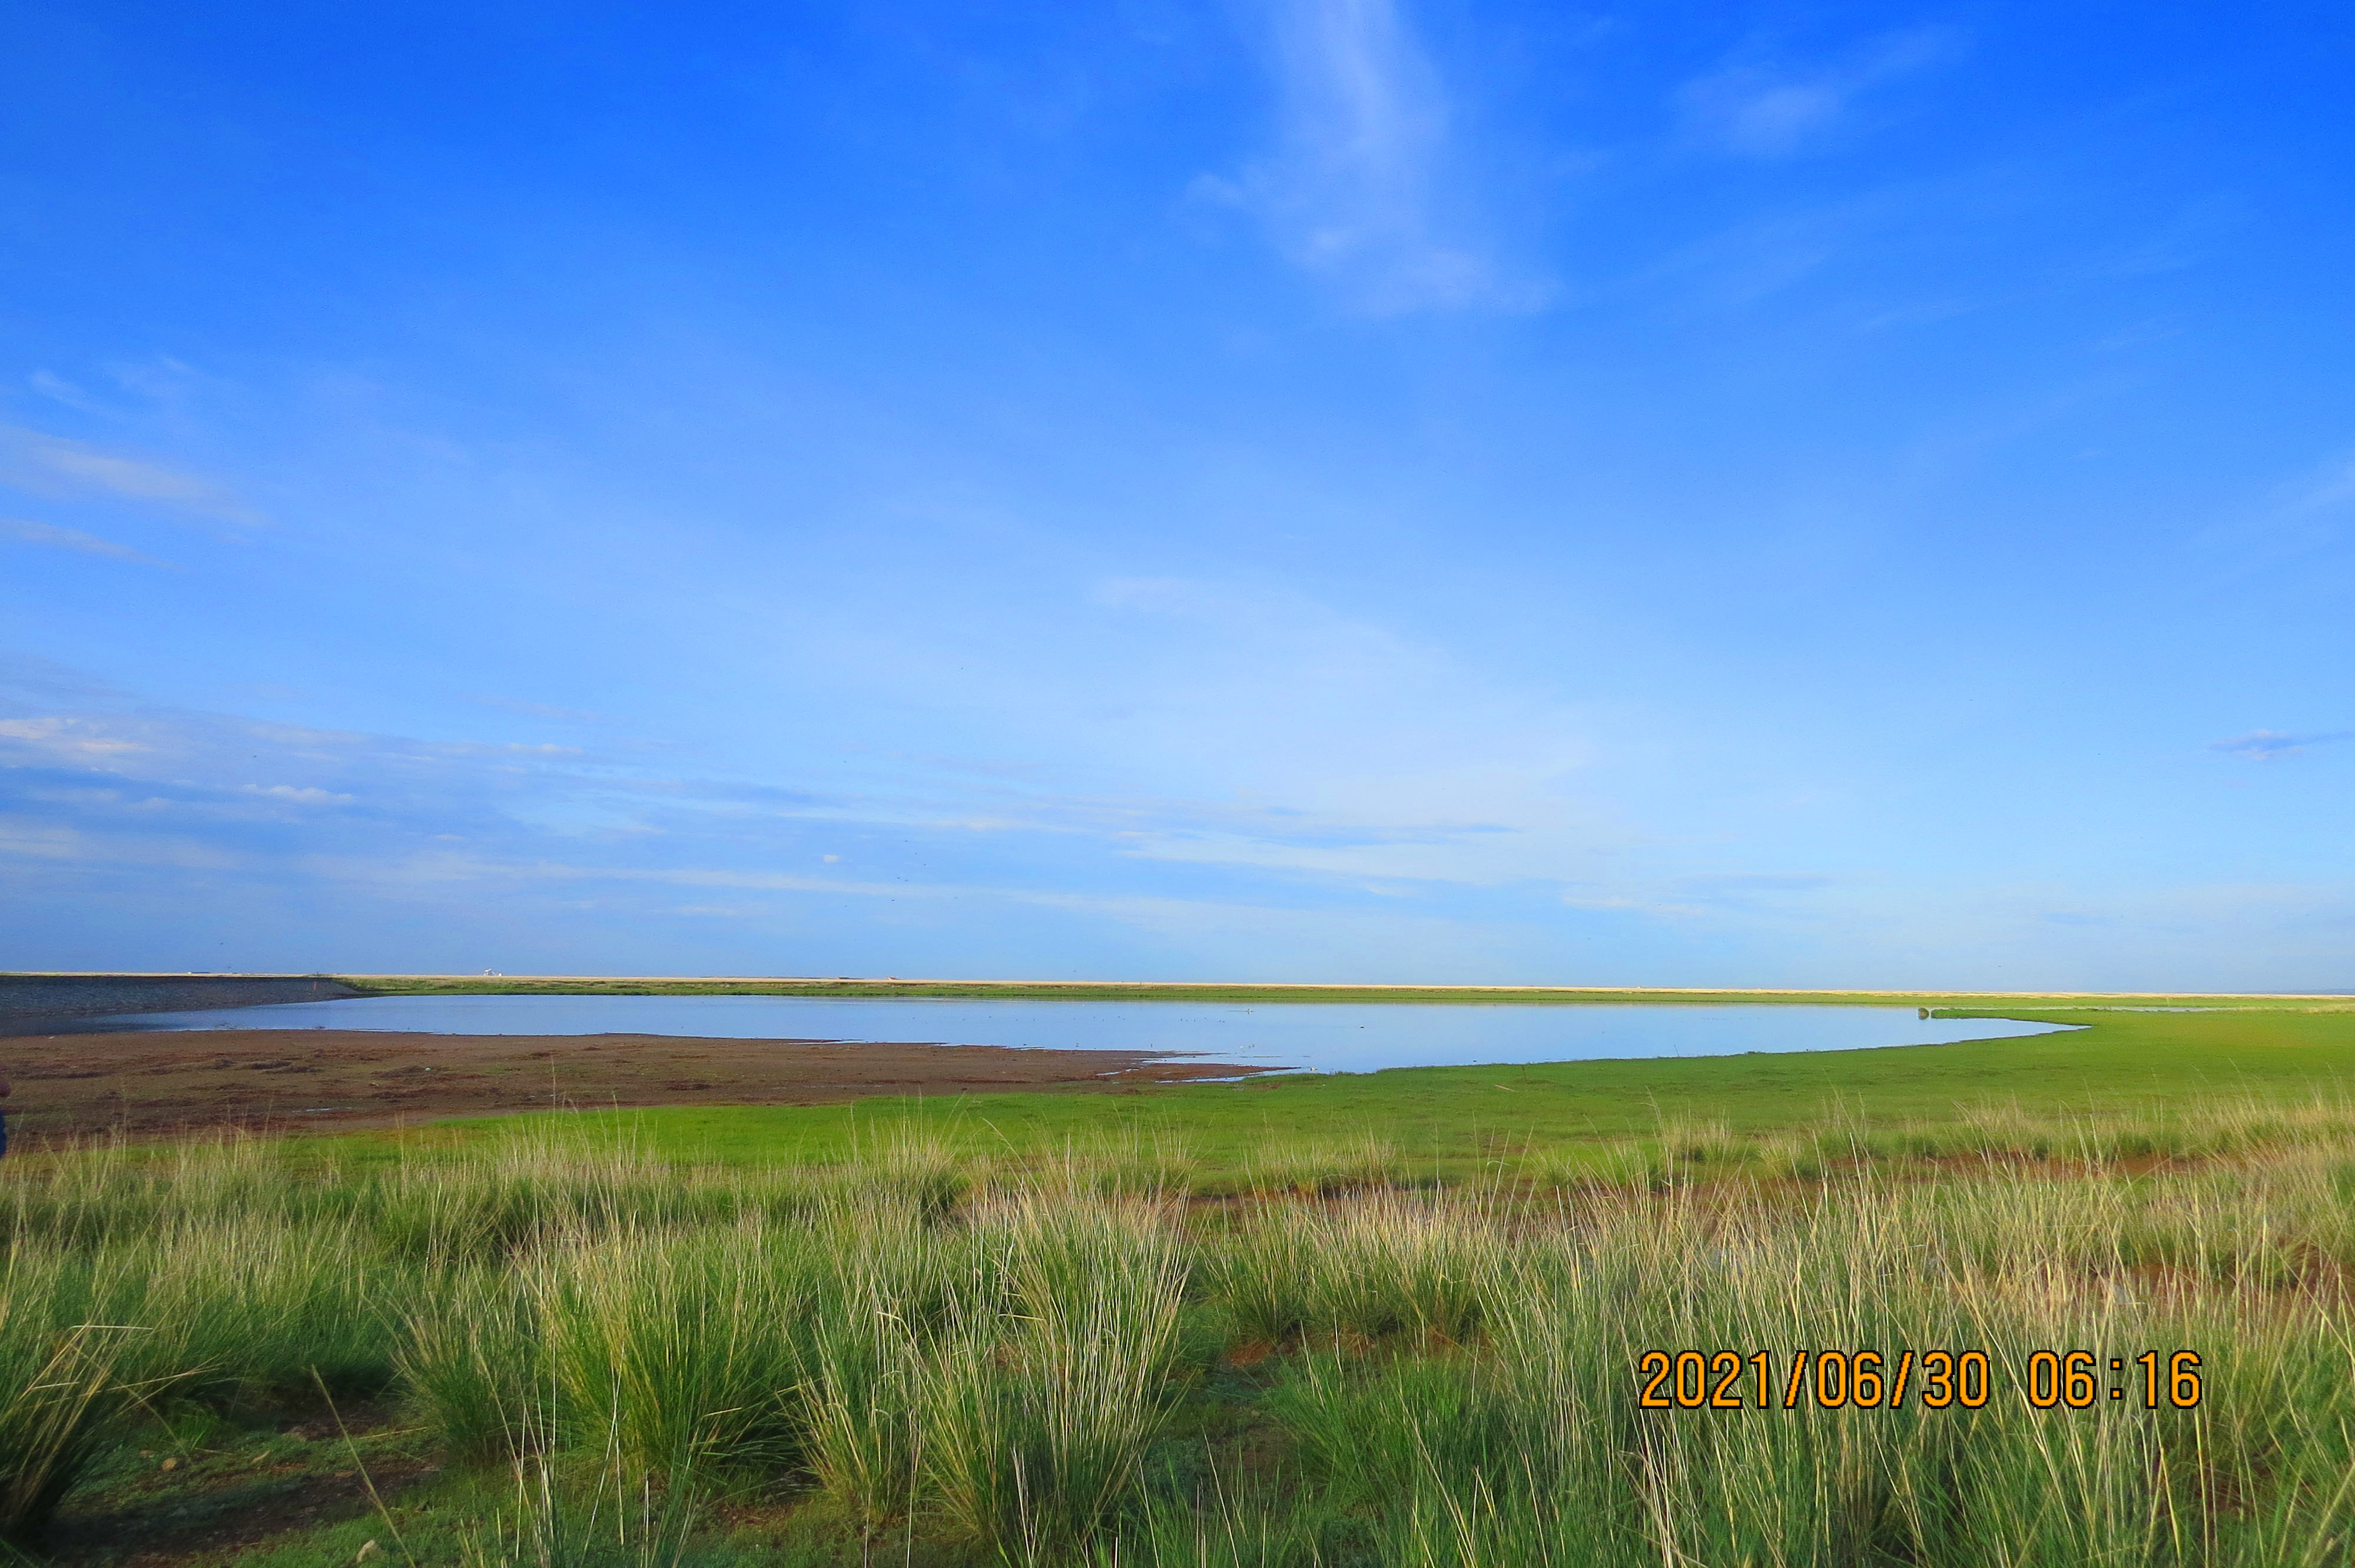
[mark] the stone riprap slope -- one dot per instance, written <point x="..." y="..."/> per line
<point x="27" y="999"/>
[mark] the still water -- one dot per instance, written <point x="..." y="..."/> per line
<point x="1327" y="1037"/>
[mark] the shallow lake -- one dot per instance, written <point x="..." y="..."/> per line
<point x="1330" y="1037"/>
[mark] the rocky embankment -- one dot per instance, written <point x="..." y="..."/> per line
<point x="28" y="1001"/>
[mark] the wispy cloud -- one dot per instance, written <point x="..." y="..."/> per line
<point x="2334" y="488"/>
<point x="2267" y="744"/>
<point x="1282" y="925"/>
<point x="296" y="794"/>
<point x="43" y="464"/>
<point x="50" y="535"/>
<point x="541" y="710"/>
<point x="1463" y="779"/>
<point x="1251" y="721"/>
<point x="1711" y="896"/>
<point x="1760" y="110"/>
<point x="2301" y="514"/>
<point x="1354" y="193"/>
<point x="57" y="389"/>
<point x="77" y="738"/>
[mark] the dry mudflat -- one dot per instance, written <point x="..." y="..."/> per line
<point x="159" y="1084"/>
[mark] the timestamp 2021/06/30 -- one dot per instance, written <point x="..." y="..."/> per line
<point x="1936" y="1379"/>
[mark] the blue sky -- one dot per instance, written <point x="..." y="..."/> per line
<point x="1291" y="489"/>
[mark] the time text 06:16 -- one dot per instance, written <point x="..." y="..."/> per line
<point x="1936" y="1379"/>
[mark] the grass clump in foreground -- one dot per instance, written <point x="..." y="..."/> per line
<point x="570" y="1353"/>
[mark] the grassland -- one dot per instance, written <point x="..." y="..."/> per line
<point x="1394" y="1320"/>
<point x="1454" y="1123"/>
<point x="564" y="1349"/>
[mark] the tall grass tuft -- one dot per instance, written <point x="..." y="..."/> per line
<point x="683" y="1352"/>
<point x="1368" y="1266"/>
<point x="900" y="1284"/>
<point x="1044" y="1395"/>
<point x="63" y="1390"/>
<point x="259" y="1311"/>
<point x="474" y="1368"/>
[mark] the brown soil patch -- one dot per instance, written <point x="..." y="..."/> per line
<point x="212" y="1507"/>
<point x="159" y="1083"/>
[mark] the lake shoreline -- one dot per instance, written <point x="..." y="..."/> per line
<point x="1289" y="991"/>
<point x="158" y="1084"/>
<point x="1168" y="990"/>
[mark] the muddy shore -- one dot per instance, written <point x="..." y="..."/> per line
<point x="164" y="1084"/>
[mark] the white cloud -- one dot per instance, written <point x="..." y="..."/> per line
<point x="1354" y="194"/>
<point x="68" y="738"/>
<point x="296" y="794"/>
<point x="57" y="389"/>
<point x="1764" y="112"/>
<point x="2334" y="489"/>
<point x="2304" y="512"/>
<point x="51" y="465"/>
<point x="38" y="841"/>
<point x="1710" y="896"/>
<point x="26" y="532"/>
<point x="33" y="840"/>
<point x="1262" y="938"/>
<point x="2266" y="744"/>
<point x="1312" y="741"/>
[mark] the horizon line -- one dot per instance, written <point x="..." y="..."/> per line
<point x="1165" y="985"/>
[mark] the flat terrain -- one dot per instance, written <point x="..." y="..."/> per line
<point x="163" y="1082"/>
<point x="345" y="1327"/>
<point x="759" y="1101"/>
<point x="466" y="1348"/>
<point x="1451" y="1122"/>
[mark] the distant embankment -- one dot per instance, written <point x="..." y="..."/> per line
<point x="26" y="999"/>
<point x="1973" y="1002"/>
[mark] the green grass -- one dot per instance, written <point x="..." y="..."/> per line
<point x="1042" y="1400"/>
<point x="1349" y="1322"/>
<point x="1429" y="1123"/>
<point x="66" y="1381"/>
<point x="912" y="1356"/>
